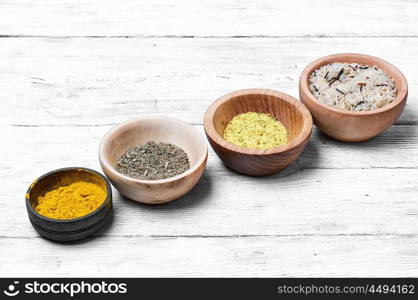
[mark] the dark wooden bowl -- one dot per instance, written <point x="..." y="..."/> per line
<point x="72" y="229"/>
<point x="289" y="111"/>
<point x="353" y="126"/>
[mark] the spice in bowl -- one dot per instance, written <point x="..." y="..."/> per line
<point x="255" y="130"/>
<point x="71" y="201"/>
<point x="153" y="161"/>
<point x="352" y="86"/>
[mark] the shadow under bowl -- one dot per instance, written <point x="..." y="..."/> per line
<point x="353" y="126"/>
<point x="159" y="129"/>
<point x="289" y="111"/>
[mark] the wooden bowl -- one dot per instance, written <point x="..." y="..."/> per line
<point x="68" y="230"/>
<point x="353" y="126"/>
<point x="289" y="111"/>
<point x="140" y="131"/>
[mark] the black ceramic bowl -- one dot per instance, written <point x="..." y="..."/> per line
<point x="72" y="229"/>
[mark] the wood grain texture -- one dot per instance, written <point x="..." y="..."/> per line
<point x="70" y="70"/>
<point x="307" y="198"/>
<point x="207" y="18"/>
<point x="107" y="81"/>
<point x="260" y="256"/>
<point x="304" y="202"/>
<point x="286" y="109"/>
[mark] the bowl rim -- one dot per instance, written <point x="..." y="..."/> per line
<point x="36" y="181"/>
<point x="303" y="135"/>
<point x="107" y="165"/>
<point x="339" y="57"/>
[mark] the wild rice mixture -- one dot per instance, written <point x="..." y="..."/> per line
<point x="352" y="86"/>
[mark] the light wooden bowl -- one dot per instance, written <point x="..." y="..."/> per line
<point x="350" y="126"/>
<point x="140" y="131"/>
<point x="289" y="111"/>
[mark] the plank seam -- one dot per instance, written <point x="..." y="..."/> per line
<point x="407" y="123"/>
<point x="239" y="236"/>
<point x="169" y="36"/>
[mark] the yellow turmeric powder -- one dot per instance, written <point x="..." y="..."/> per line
<point x="70" y="201"/>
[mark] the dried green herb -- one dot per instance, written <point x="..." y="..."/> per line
<point x="152" y="161"/>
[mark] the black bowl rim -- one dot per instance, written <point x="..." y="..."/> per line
<point x="33" y="184"/>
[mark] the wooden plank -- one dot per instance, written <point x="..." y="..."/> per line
<point x="333" y="188"/>
<point x="340" y="210"/>
<point x="363" y="256"/>
<point x="309" y="202"/>
<point x="71" y="145"/>
<point x="78" y="81"/>
<point x="209" y="18"/>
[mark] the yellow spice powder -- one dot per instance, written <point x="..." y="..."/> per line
<point x="70" y="201"/>
<point x="256" y="131"/>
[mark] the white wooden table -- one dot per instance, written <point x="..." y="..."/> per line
<point x="70" y="70"/>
